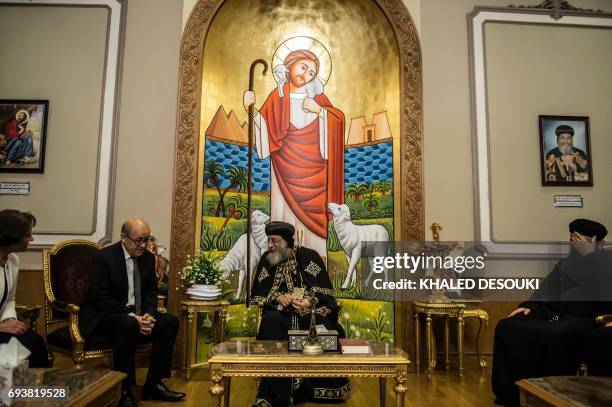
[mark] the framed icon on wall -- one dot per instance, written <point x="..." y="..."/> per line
<point x="23" y="132"/>
<point x="565" y="151"/>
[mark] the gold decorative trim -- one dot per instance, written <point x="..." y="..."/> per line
<point x="184" y="211"/>
<point x="326" y="393"/>
<point x="313" y="269"/>
<point x="305" y="370"/>
<point x="263" y="275"/>
<point x="78" y="353"/>
<point x="47" y="253"/>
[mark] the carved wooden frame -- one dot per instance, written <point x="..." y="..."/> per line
<point x="188" y="128"/>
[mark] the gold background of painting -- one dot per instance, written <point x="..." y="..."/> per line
<point x="408" y="144"/>
<point x="364" y="52"/>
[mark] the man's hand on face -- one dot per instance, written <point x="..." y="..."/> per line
<point x="146" y="322"/>
<point x="524" y="311"/>
<point x="285" y="299"/>
<point x="583" y="244"/>
<point x="301" y="304"/>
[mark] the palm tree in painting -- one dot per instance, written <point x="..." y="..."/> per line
<point x="356" y="191"/>
<point x="236" y="208"/>
<point x="384" y="187"/>
<point x="214" y="177"/>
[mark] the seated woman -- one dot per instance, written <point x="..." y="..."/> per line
<point x="286" y="276"/>
<point x="15" y="234"/>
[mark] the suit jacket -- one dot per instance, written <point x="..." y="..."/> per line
<point x="7" y="308"/>
<point x="108" y="290"/>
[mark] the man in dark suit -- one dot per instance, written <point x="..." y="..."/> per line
<point x="121" y="304"/>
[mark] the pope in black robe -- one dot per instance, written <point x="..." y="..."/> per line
<point x="565" y="162"/>
<point x="543" y="336"/>
<point x="285" y="277"/>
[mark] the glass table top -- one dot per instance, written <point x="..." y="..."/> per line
<point x="278" y="349"/>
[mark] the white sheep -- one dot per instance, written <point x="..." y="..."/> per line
<point x="351" y="239"/>
<point x="235" y="259"/>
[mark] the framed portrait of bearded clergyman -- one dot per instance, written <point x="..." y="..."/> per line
<point x="565" y="151"/>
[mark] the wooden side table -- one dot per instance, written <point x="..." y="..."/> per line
<point x="565" y="391"/>
<point x="190" y="308"/>
<point x="454" y="309"/>
<point x="447" y="311"/>
<point x="483" y="319"/>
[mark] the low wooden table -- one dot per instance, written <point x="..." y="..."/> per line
<point x="566" y="391"/>
<point x="86" y="387"/>
<point x="190" y="309"/>
<point x="272" y="359"/>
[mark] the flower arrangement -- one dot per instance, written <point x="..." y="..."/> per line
<point x="203" y="268"/>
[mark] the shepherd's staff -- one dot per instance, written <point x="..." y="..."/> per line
<point x="249" y="174"/>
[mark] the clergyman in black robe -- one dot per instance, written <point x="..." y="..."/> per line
<point x="542" y="336"/>
<point x="566" y="163"/>
<point x="282" y="273"/>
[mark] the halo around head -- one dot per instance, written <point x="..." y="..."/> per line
<point x="25" y="112"/>
<point x="307" y="43"/>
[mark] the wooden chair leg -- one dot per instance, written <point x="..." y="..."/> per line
<point x="226" y="396"/>
<point x="50" y="357"/>
<point x="583" y="370"/>
<point x="382" y="390"/>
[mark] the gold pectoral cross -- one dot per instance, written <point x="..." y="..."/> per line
<point x="299" y="292"/>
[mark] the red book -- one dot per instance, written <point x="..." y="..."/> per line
<point x="354" y="346"/>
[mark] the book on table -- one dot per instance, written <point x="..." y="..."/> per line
<point x="354" y="346"/>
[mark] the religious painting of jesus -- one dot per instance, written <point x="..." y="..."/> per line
<point x="303" y="134"/>
<point x="325" y="149"/>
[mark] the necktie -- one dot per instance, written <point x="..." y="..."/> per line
<point x="137" y="296"/>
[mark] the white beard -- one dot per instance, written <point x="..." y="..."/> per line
<point x="566" y="149"/>
<point x="278" y="256"/>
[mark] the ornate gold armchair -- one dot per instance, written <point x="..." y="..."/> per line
<point x="66" y="276"/>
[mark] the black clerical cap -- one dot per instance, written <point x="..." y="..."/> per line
<point x="283" y="229"/>
<point x="564" y="128"/>
<point x="589" y="228"/>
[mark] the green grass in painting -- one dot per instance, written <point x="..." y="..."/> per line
<point x="370" y="320"/>
<point x="240" y="323"/>
<point x="337" y="266"/>
<point x="259" y="200"/>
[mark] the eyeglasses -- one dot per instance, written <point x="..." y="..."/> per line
<point x="141" y="240"/>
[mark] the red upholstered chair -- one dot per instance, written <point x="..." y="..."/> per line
<point x="66" y="273"/>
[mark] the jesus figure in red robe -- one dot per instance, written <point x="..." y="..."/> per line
<point x="303" y="134"/>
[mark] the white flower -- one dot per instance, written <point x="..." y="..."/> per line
<point x="357" y="333"/>
<point x="346" y="315"/>
<point x="353" y="327"/>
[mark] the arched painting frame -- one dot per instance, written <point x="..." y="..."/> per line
<point x="185" y="204"/>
